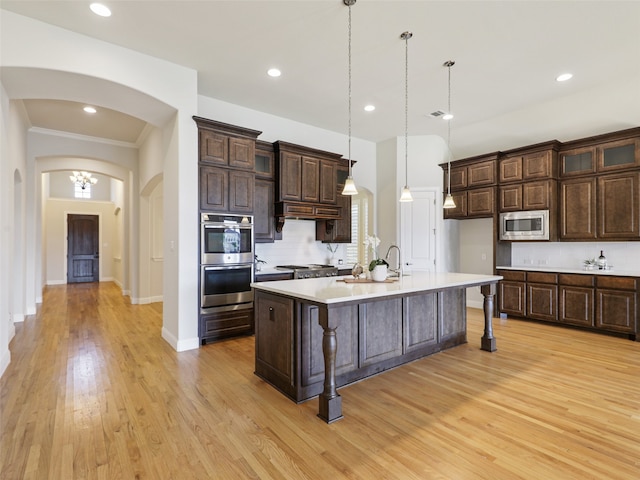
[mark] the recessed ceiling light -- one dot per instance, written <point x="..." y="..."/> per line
<point x="274" y="72"/>
<point x="564" y="77"/>
<point x="369" y="108"/>
<point x="447" y="116"/>
<point x="100" y="9"/>
<point x="89" y="109"/>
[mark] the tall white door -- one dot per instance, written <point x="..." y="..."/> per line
<point x="418" y="226"/>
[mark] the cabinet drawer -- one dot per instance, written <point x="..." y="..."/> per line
<point x="513" y="275"/>
<point x="298" y="209"/>
<point x="619" y="283"/>
<point x="576" y="280"/>
<point x="540" y="277"/>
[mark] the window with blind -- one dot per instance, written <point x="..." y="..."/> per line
<point x="360" y="215"/>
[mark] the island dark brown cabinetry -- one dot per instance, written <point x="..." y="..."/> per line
<point x="598" y="301"/>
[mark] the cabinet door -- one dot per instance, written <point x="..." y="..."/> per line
<point x="241" y="188"/>
<point x="511" y="169"/>
<point x="619" y="155"/>
<point x="242" y="153"/>
<point x="214" y="148"/>
<point x="290" y="177"/>
<point x="539" y="195"/>
<point x="214" y="184"/>
<point x="328" y="182"/>
<point x="460" y="199"/>
<point x="619" y="206"/>
<point x="616" y="310"/>
<point x="264" y="228"/>
<point x="264" y="164"/>
<point x="511" y="198"/>
<point x="542" y="301"/>
<point x="538" y="165"/>
<point x="481" y="202"/>
<point x="577" y="161"/>
<point x="380" y="330"/>
<point x="310" y="179"/>
<point x="576" y="305"/>
<point x="512" y="298"/>
<point x="458" y="178"/>
<point x="339" y="230"/>
<point x="578" y="209"/>
<point x="483" y="173"/>
<point x="274" y="339"/>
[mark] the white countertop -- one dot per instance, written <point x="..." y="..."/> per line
<point x="330" y="290"/>
<point x="612" y="271"/>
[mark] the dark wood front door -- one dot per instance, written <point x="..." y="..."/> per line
<point x="82" y="248"/>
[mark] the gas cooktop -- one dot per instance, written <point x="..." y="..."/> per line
<point x="313" y="270"/>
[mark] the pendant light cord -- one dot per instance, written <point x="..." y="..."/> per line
<point x="449" y="130"/>
<point x="407" y="36"/>
<point x="349" y="90"/>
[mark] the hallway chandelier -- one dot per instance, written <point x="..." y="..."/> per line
<point x="82" y="179"/>
<point x="406" y="193"/>
<point x="349" y="184"/>
<point x="448" y="201"/>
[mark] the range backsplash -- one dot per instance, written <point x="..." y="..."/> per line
<point x="298" y="246"/>
<point x="620" y="255"/>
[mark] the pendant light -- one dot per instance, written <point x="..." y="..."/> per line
<point x="349" y="184"/>
<point x="406" y="193"/>
<point x="448" y="201"/>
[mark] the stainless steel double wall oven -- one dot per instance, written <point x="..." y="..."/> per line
<point x="226" y="262"/>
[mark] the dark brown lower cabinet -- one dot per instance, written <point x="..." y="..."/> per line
<point x="576" y="295"/>
<point x="601" y="302"/>
<point x="616" y="304"/>
<point x="216" y="326"/>
<point x="511" y="293"/>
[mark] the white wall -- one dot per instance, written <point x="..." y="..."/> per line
<point x="61" y="187"/>
<point x="276" y="128"/>
<point x="476" y="253"/>
<point x="43" y="61"/>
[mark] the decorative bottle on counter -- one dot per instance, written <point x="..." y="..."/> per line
<point x="602" y="261"/>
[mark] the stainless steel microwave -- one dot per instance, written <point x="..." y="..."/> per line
<point x="525" y="225"/>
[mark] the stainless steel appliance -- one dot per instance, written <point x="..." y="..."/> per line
<point x="225" y="285"/>
<point x="310" y="271"/>
<point x="226" y="239"/>
<point x="525" y="225"/>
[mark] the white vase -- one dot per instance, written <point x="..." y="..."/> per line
<point x="379" y="273"/>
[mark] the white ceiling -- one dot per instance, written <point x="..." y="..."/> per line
<point x="507" y="56"/>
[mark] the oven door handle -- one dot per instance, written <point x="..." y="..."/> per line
<point x="207" y="268"/>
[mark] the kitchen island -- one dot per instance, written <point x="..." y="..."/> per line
<point x="315" y="335"/>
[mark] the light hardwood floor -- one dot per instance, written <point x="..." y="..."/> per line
<point x="93" y="392"/>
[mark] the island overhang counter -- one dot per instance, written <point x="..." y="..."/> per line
<point x="315" y="335"/>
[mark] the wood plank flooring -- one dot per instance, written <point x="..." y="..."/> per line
<point x="93" y="392"/>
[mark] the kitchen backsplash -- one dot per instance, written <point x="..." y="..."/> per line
<point x="620" y="255"/>
<point x="298" y="246"/>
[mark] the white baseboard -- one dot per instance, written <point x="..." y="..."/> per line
<point x="17" y="318"/>
<point x="180" y="345"/>
<point x="56" y="282"/>
<point x="5" y="360"/>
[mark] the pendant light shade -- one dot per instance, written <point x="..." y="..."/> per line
<point x="406" y="193"/>
<point x="349" y="187"/>
<point x="448" y="201"/>
<point x="349" y="184"/>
